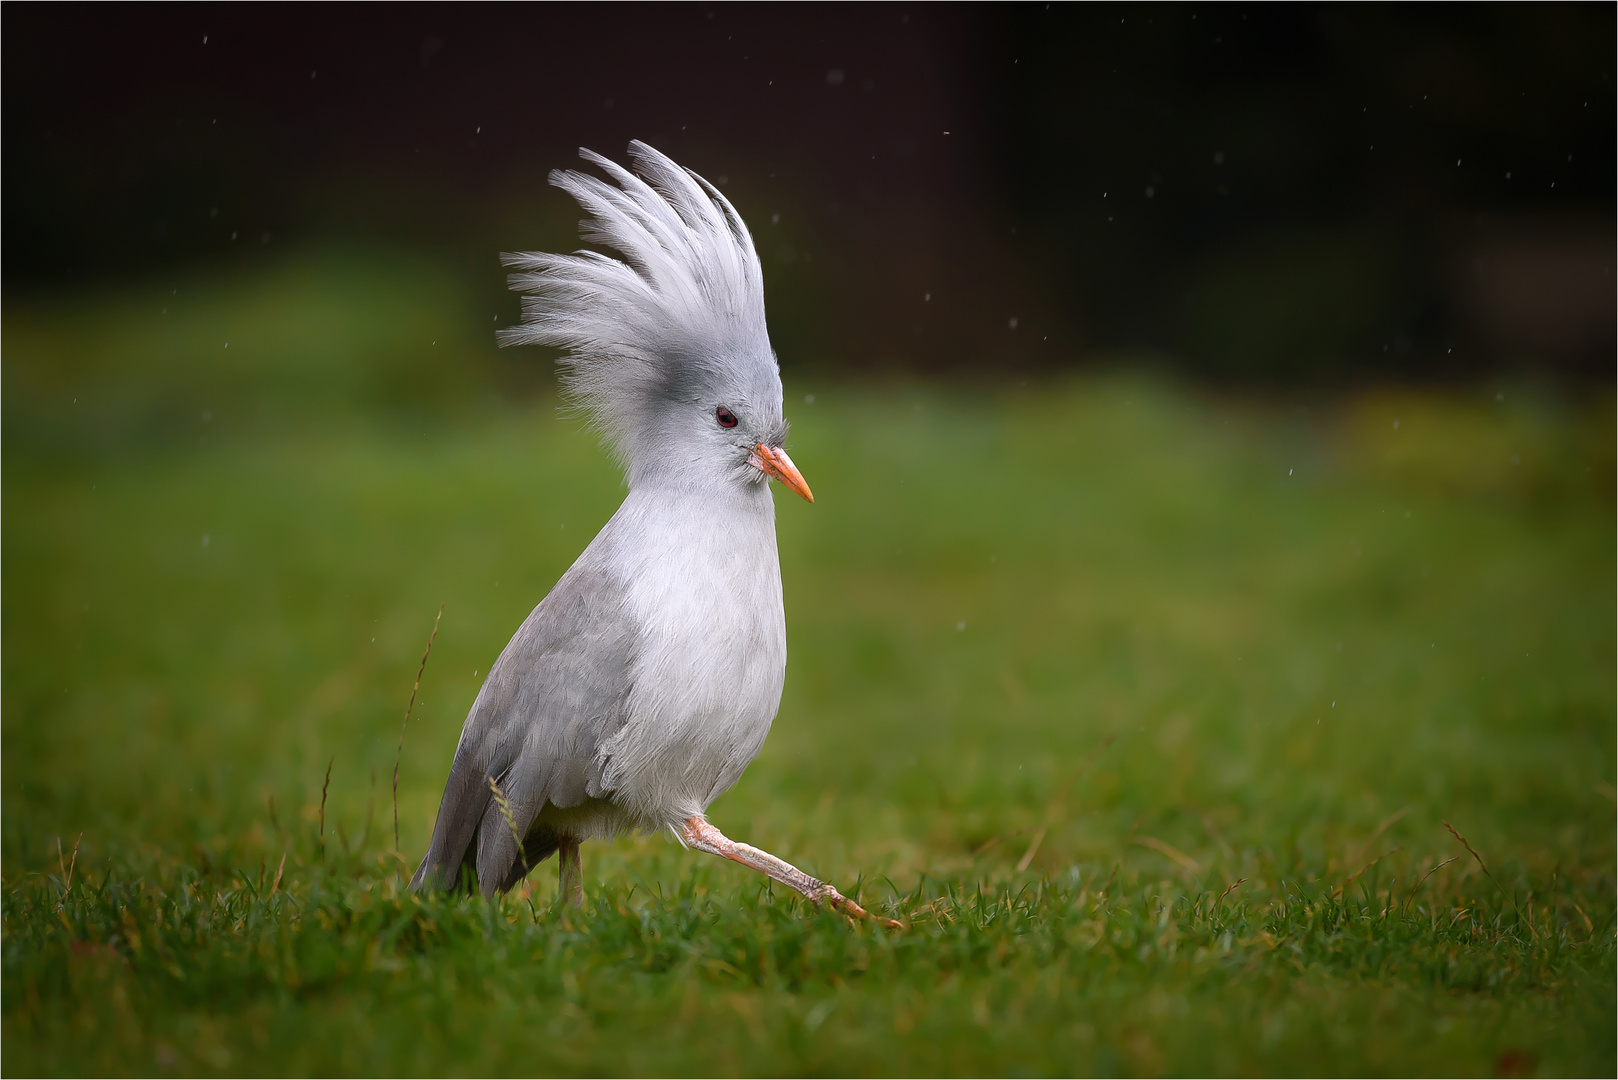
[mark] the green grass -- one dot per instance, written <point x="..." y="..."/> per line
<point x="1144" y="706"/>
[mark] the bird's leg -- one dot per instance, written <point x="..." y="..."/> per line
<point x="699" y="834"/>
<point x="569" y="872"/>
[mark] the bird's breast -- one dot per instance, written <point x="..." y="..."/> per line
<point x="705" y="594"/>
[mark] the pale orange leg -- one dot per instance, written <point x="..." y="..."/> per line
<point x="699" y="834"/>
<point x="569" y="872"/>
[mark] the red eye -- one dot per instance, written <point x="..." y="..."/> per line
<point x="726" y="418"/>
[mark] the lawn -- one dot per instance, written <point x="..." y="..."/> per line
<point x="1157" y="713"/>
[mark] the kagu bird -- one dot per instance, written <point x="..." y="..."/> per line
<point x="645" y="682"/>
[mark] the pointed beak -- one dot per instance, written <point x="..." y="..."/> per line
<point x="773" y="462"/>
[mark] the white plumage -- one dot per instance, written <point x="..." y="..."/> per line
<point x="645" y="682"/>
<point x="682" y="312"/>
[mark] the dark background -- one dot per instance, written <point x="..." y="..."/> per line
<point x="1253" y="193"/>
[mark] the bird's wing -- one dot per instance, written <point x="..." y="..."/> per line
<point x="555" y="695"/>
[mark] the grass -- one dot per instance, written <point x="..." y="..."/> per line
<point x="1145" y="707"/>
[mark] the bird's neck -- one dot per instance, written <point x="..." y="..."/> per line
<point x="727" y="499"/>
<point x="708" y="541"/>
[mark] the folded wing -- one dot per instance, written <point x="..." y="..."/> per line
<point x="556" y="694"/>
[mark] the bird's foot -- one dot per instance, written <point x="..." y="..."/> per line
<point x="839" y="902"/>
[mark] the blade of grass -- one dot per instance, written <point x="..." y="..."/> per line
<point x="399" y="755"/>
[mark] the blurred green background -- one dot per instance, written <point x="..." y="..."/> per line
<point x="1178" y="568"/>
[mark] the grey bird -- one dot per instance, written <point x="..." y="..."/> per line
<point x="639" y="689"/>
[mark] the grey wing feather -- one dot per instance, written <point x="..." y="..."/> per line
<point x="556" y="694"/>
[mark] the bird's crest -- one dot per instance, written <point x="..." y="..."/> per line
<point x="683" y="308"/>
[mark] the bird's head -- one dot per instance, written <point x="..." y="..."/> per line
<point x="666" y="349"/>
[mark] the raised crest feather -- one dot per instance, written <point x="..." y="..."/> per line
<point x="682" y="309"/>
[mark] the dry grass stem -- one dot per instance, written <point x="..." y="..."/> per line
<point x="1033" y="848"/>
<point x="1349" y="880"/>
<point x="1468" y="847"/>
<point x="67" y="869"/>
<point x="1171" y="851"/>
<point x="504" y="804"/>
<point x="1228" y="891"/>
<point x="1376" y="834"/>
<point x="399" y="755"/>
<point x="276" y="884"/>
<point x="1430" y="873"/>
<point x="324" y="787"/>
<point x="993" y="840"/>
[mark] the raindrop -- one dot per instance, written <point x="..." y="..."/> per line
<point x="775" y="219"/>
<point x="925" y="297"/>
<point x="808" y="399"/>
<point x="1219" y="157"/>
<point x="962" y="626"/>
<point x="834" y="77"/>
<point x="205" y="539"/>
<point x="1013" y="322"/>
<point x="1289" y="472"/>
<point x="1396" y="425"/>
<point x="1150" y="192"/>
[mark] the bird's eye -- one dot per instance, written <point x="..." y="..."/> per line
<point x="726" y="418"/>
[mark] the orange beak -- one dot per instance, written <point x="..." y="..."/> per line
<point x="775" y="463"/>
